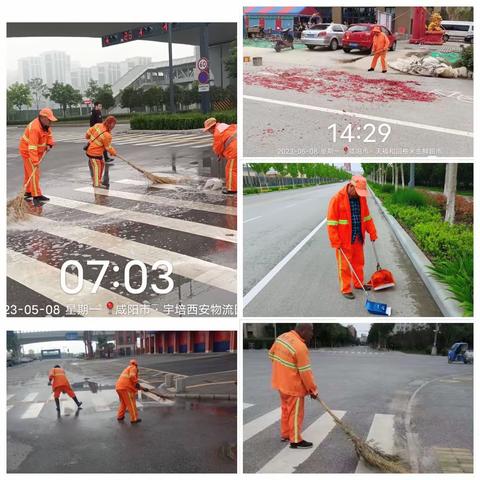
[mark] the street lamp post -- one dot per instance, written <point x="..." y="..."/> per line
<point x="434" y="347"/>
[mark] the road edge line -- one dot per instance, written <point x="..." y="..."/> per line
<point x="448" y="306"/>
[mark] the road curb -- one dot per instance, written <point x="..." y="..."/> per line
<point x="180" y="132"/>
<point x="448" y="306"/>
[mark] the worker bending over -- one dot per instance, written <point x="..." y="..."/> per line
<point x="60" y="384"/>
<point x="127" y="386"/>
<point x="293" y="378"/>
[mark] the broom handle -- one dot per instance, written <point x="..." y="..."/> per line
<point x="34" y="170"/>
<point x="354" y="272"/>
<point x="327" y="409"/>
<point x="376" y="255"/>
<point x="131" y="164"/>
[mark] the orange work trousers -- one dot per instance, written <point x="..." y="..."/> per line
<point x="127" y="403"/>
<point x="293" y="409"/>
<point x="231" y="175"/>
<point x="382" y="56"/>
<point x="355" y="256"/>
<point x="32" y="184"/>
<point x="59" y="390"/>
<point x="97" y="167"/>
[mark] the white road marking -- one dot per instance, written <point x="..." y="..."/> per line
<point x="186" y="226"/>
<point x="164" y="201"/>
<point x="247" y="405"/>
<point x="190" y="267"/>
<point x="252" y="219"/>
<point x="10" y="396"/>
<point x="30" y="397"/>
<point x="271" y="274"/>
<point x="421" y="126"/>
<point x="9" y="407"/>
<point x="99" y="403"/>
<point x="382" y="433"/>
<point x="288" y="459"/>
<point x="250" y="429"/>
<point x="33" y="410"/>
<point x="46" y="282"/>
<point x="203" y="145"/>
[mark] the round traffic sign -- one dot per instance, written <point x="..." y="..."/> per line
<point x="203" y="77"/>
<point x="202" y="63"/>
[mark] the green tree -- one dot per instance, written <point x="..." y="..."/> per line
<point x="65" y="95"/>
<point x="154" y="97"/>
<point x="231" y="64"/>
<point x="92" y="90"/>
<point x="105" y="96"/>
<point x="18" y="94"/>
<point x="130" y="98"/>
<point x="38" y="89"/>
<point x="13" y="345"/>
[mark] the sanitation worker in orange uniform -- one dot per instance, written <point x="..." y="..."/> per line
<point x="100" y="140"/>
<point x="35" y="141"/>
<point x="60" y="384"/>
<point x="293" y="378"/>
<point x="225" y="145"/>
<point x="348" y="220"/>
<point x="380" y="46"/>
<point x="127" y="386"/>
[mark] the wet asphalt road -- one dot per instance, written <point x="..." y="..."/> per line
<point x="291" y="118"/>
<point x="183" y="224"/>
<point x="91" y="440"/>
<point x="364" y="384"/>
<point x="308" y="284"/>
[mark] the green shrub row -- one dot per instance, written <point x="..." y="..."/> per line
<point x="77" y="118"/>
<point x="178" y="121"/>
<point x="252" y="190"/>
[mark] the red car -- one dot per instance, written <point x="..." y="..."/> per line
<point x="360" y="37"/>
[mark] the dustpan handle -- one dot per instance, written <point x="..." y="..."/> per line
<point x="354" y="272"/>
<point x="376" y="256"/>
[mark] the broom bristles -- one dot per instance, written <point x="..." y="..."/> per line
<point x="152" y="177"/>
<point x="17" y="208"/>
<point x="372" y="454"/>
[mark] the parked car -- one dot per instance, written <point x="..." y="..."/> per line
<point x="360" y="37"/>
<point x="324" y="35"/>
<point x="457" y="30"/>
<point x="459" y="352"/>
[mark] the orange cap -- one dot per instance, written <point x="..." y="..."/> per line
<point x="209" y="123"/>
<point x="47" y="112"/>
<point x="360" y="184"/>
<point x="133" y="362"/>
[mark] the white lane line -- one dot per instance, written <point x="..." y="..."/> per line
<point x="209" y="231"/>
<point x="164" y="201"/>
<point x="159" y="186"/>
<point x="46" y="282"/>
<point x="203" y="145"/>
<point x="10" y="396"/>
<point x="269" y="276"/>
<point x="288" y="459"/>
<point x="193" y="142"/>
<point x="33" y="410"/>
<point x="382" y="433"/>
<point x="190" y="267"/>
<point x="173" y="140"/>
<point x="99" y="404"/>
<point x="421" y="126"/>
<point x="247" y="405"/>
<point x="252" y="219"/>
<point x="9" y="407"/>
<point x="30" y="397"/>
<point x="250" y="429"/>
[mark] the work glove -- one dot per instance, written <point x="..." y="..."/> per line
<point x="49" y="146"/>
<point x="314" y="395"/>
<point x="138" y="386"/>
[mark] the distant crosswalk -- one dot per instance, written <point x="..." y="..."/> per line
<point x="319" y="431"/>
<point x="340" y="351"/>
<point x="173" y="140"/>
<point x="194" y="231"/>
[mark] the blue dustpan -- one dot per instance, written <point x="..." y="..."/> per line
<point x="378" y="308"/>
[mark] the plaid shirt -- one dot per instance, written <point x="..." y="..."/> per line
<point x="356" y="219"/>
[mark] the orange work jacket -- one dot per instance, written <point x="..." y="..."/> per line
<point x="291" y="369"/>
<point x="128" y="379"/>
<point x="34" y="141"/>
<point x="58" y="378"/>
<point x="225" y="141"/>
<point x="99" y="139"/>
<point x="339" y="220"/>
<point x="380" y="42"/>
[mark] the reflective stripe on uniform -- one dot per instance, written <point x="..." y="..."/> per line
<point x="305" y="368"/>
<point x="343" y="222"/>
<point x="332" y="222"/>
<point x="286" y="345"/>
<point x="367" y="218"/>
<point x="295" y="419"/>
<point x="282" y="361"/>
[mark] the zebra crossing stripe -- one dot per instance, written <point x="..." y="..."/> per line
<point x="9" y="407"/>
<point x="247" y="405"/>
<point x="33" y="410"/>
<point x="190" y="267"/>
<point x="256" y="426"/>
<point x="10" y="396"/>
<point x="99" y="404"/>
<point x="288" y="459"/>
<point x="186" y="226"/>
<point x="382" y="433"/>
<point x="46" y="282"/>
<point x="164" y="201"/>
<point x="203" y="145"/>
<point x="30" y="397"/>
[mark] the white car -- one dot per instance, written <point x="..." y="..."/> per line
<point x="324" y="35"/>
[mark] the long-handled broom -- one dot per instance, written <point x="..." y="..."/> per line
<point x="17" y="207"/>
<point x="152" y="177"/>
<point x="373" y="455"/>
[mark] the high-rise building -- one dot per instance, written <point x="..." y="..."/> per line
<point x="132" y="62"/>
<point x="29" y="68"/>
<point x="56" y="67"/>
<point x="80" y="78"/>
<point x="107" y="72"/>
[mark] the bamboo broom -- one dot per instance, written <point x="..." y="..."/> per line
<point x="152" y="177"/>
<point x="374" y="456"/>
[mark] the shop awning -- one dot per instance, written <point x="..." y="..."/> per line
<point x="290" y="11"/>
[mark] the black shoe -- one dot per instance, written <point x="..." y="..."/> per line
<point x="284" y="439"/>
<point x="302" y="444"/>
<point x="27" y="195"/>
<point x="370" y="70"/>
<point x="228" y="192"/>
<point x="106" y="185"/>
<point x="121" y="419"/>
<point x="109" y="160"/>
<point x="366" y="287"/>
<point x="349" y="295"/>
<point x="138" y="420"/>
<point x="384" y="71"/>
<point x="57" y="403"/>
<point x="41" y="198"/>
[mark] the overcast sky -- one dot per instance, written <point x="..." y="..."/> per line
<point x="361" y="328"/>
<point x="89" y="51"/>
<point x="72" y="346"/>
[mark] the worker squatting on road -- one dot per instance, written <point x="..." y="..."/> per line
<point x="293" y="378"/>
<point x="99" y="140"/>
<point x="225" y="146"/>
<point x="348" y="219"/>
<point x="60" y="384"/>
<point x="127" y="386"/>
<point x="36" y="140"/>
<point x="380" y="46"/>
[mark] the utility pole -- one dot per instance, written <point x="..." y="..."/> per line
<point x="170" y="68"/>
<point x="434" y="347"/>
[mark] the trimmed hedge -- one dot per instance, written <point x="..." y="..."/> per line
<point x="178" y="121"/>
<point x="86" y="119"/>
<point x="411" y="216"/>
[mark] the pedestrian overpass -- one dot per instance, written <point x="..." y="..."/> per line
<point x="25" y="338"/>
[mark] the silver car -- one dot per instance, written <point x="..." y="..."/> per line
<point x="324" y="35"/>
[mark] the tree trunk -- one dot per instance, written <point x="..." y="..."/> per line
<point x="446" y="185"/>
<point x="403" y="176"/>
<point x="451" y="180"/>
